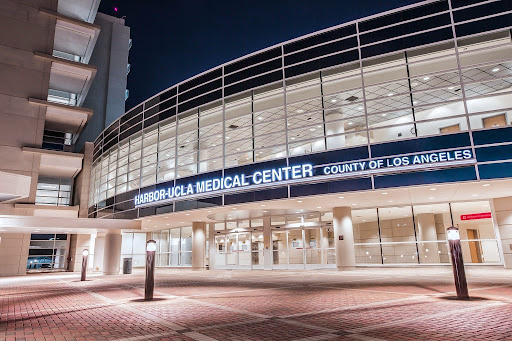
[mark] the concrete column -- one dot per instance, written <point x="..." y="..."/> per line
<point x="267" y="244"/>
<point x="99" y="246"/>
<point x="198" y="245"/>
<point x="112" y="252"/>
<point x="344" y="238"/>
<point x="503" y="220"/>
<point x="211" y="249"/>
<point x="429" y="252"/>
<point x="79" y="242"/>
<point x="14" y="253"/>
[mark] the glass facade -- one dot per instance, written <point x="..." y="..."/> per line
<point x="174" y="247"/>
<point x="47" y="252"/>
<point x="431" y="70"/>
<point x="54" y="191"/>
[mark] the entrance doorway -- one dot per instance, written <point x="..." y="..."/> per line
<point x="474" y="246"/>
<point x="303" y="248"/>
<point x="242" y="250"/>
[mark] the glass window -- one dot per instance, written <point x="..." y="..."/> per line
<point x="366" y="231"/>
<point x="54" y="191"/>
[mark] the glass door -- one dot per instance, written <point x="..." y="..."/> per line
<point x="244" y="250"/>
<point x="231" y="251"/>
<point x="257" y="250"/>
<point x="313" y="247"/>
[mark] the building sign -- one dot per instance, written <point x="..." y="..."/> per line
<point x="304" y="171"/>
<point x="484" y="215"/>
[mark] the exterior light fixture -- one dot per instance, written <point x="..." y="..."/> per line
<point x="459" y="275"/>
<point x="150" y="270"/>
<point x="85" y="255"/>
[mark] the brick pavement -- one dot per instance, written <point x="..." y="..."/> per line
<point x="366" y="304"/>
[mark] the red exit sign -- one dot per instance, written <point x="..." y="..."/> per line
<point x="474" y="216"/>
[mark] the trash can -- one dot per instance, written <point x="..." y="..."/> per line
<point x="127" y="266"/>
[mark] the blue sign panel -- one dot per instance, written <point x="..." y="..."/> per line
<point x="303" y="172"/>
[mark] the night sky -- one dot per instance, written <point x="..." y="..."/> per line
<point x="177" y="39"/>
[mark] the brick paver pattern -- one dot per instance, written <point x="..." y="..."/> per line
<point x="365" y="304"/>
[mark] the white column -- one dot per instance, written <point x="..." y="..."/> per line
<point x="344" y="238"/>
<point x="112" y="253"/>
<point x="267" y="244"/>
<point x="99" y="246"/>
<point x="79" y="242"/>
<point x="427" y="232"/>
<point x="211" y="249"/>
<point x="503" y="220"/>
<point x="198" y="245"/>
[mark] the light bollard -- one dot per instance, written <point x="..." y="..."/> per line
<point x="150" y="270"/>
<point x="85" y="255"/>
<point x="459" y="275"/>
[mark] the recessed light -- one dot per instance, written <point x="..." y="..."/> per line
<point x="183" y="222"/>
<point x="354" y="204"/>
<point x="414" y="102"/>
<point x="293" y="138"/>
<point x="260" y="118"/>
<point x="333" y="100"/>
<point x="167" y="224"/>
<point x="431" y="198"/>
<point x="486" y="185"/>
<point x="148" y="220"/>
<point x="433" y="189"/>
<point x="341" y="197"/>
<point x="263" y="205"/>
<point x="414" y="83"/>
<point x="384" y="193"/>
<point x="496" y="69"/>
<point x="426" y="78"/>
<point x="234" y="208"/>
<point x="311" y="129"/>
<point x="390" y="201"/>
<point x="359" y="108"/>
<point x="187" y="214"/>
<point x="300" y="111"/>
<point x="350" y="123"/>
<point x="451" y="88"/>
<point x="299" y="200"/>
<point x="319" y="126"/>
<point x="390" y="94"/>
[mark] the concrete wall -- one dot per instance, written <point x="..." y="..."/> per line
<point x="13" y="253"/>
<point x="106" y="95"/>
<point x="24" y="31"/>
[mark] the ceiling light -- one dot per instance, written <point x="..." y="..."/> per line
<point x="390" y="94"/>
<point x="451" y="88"/>
<point x="300" y="111"/>
<point x="431" y="198"/>
<point x="414" y="83"/>
<point x="433" y="189"/>
<point x="384" y="115"/>
<point x="234" y="208"/>
<point x="260" y="118"/>
<point x="350" y="123"/>
<point x="384" y="193"/>
<point x="341" y="197"/>
<point x="354" y="204"/>
<point x="426" y="78"/>
<point x="390" y="201"/>
<point x="359" y="108"/>
<point x="293" y="138"/>
<point x="486" y="185"/>
<point x="311" y="129"/>
<point x="319" y="126"/>
<point x="299" y="200"/>
<point x="496" y="69"/>
<point x="187" y="214"/>
<point x="333" y="100"/>
<point x="414" y="102"/>
<point x="262" y="205"/>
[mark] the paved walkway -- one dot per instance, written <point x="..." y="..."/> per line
<point x="366" y="304"/>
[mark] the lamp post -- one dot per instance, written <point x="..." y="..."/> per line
<point x="85" y="255"/>
<point x="461" y="286"/>
<point x="150" y="269"/>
